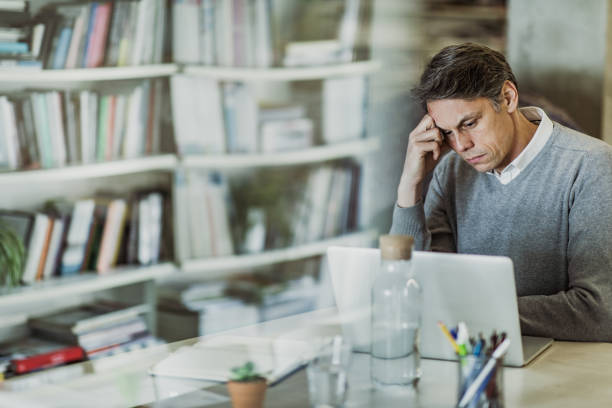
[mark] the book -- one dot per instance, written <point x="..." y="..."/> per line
<point x="212" y="359"/>
<point x="116" y="333"/>
<point x="240" y="112"/>
<point x="61" y="43"/>
<point x="87" y="317"/>
<point x="56" y="128"/>
<point x="72" y="127"/>
<point x="195" y="101"/>
<point x="13" y="5"/>
<point x="78" y="235"/>
<point x="112" y="235"/>
<point x="45" y="249"/>
<point x="264" y="33"/>
<point x="33" y="354"/>
<point x="285" y="135"/>
<point x="78" y="34"/>
<point x="207" y="36"/>
<point x="35" y="247"/>
<point x="344" y="107"/>
<point x="55" y="248"/>
<point x="185" y="28"/>
<point x="10" y="152"/>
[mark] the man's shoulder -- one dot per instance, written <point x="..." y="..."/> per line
<point x="574" y="142"/>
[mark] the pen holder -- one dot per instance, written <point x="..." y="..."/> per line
<point x="490" y="392"/>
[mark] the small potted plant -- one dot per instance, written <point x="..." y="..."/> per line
<point x="247" y="387"/>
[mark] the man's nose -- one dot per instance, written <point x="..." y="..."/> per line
<point x="463" y="141"/>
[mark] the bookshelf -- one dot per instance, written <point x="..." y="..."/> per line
<point x="67" y="76"/>
<point x="30" y="186"/>
<point x="284" y="74"/>
<point x="59" y="287"/>
<point x="166" y="162"/>
<point x="317" y="154"/>
<point x="216" y="268"/>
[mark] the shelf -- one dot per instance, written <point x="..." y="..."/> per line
<point x="312" y="155"/>
<point x="466" y="12"/>
<point x="33" y="76"/>
<point x="169" y="162"/>
<point x="218" y="267"/>
<point x="86" y="171"/>
<point x="83" y="283"/>
<point x="283" y="74"/>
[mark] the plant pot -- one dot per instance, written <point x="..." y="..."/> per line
<point x="247" y="394"/>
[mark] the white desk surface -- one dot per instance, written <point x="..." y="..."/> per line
<point x="568" y="374"/>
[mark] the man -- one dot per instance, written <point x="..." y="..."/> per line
<point x="517" y="184"/>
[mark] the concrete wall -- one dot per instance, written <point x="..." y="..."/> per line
<point x="557" y="48"/>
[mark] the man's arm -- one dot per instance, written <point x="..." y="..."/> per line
<point x="428" y="223"/>
<point x="584" y="311"/>
<point x="425" y="148"/>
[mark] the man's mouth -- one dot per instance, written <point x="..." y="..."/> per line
<point x="475" y="159"/>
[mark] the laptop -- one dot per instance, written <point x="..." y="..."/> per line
<point x="476" y="289"/>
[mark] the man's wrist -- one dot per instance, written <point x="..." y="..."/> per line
<point x="408" y="196"/>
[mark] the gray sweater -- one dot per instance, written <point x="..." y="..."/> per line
<point x="554" y="220"/>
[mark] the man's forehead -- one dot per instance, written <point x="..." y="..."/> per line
<point x="451" y="112"/>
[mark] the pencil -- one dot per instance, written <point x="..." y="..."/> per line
<point x="450" y="338"/>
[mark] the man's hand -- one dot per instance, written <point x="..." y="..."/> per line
<point x="425" y="147"/>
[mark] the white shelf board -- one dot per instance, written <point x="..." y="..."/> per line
<point x="283" y="73"/>
<point x="303" y="156"/>
<point x="86" y="171"/>
<point x="218" y="267"/>
<point x="83" y="283"/>
<point x="30" y="76"/>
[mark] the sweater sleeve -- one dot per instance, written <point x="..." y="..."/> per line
<point x="428" y="223"/>
<point x="584" y="311"/>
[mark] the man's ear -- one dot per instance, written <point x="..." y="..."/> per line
<point x="510" y="96"/>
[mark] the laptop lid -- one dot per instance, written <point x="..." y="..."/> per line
<point x="477" y="289"/>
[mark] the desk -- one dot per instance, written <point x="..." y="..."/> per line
<point x="567" y="375"/>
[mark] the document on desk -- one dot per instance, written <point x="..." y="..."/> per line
<point x="213" y="359"/>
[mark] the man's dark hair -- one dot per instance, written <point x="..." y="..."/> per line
<point x="464" y="71"/>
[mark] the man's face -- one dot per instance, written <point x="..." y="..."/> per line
<point x="476" y="131"/>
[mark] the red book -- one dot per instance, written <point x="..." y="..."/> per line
<point x="97" y="45"/>
<point x="35" y="354"/>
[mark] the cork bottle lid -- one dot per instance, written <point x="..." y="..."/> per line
<point x="394" y="247"/>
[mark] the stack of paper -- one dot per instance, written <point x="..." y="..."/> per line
<point x="213" y="359"/>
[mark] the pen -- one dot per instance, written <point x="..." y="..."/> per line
<point x="462" y="338"/>
<point x="449" y="337"/>
<point x="479" y="382"/>
<point x="478" y="347"/>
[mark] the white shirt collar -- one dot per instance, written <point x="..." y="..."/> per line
<point x="539" y="139"/>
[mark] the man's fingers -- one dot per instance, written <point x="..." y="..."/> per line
<point x="431" y="135"/>
<point x="424" y="148"/>
<point x="425" y="124"/>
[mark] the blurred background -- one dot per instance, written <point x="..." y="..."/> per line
<point x="180" y="166"/>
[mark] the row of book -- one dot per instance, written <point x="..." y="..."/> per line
<point x="101" y="33"/>
<point x="15" y="32"/>
<point x="237" y="122"/>
<point x="242" y="33"/>
<point x="45" y="129"/>
<point x="223" y="32"/>
<point x="93" y="234"/>
<point x="206" y="222"/>
<point x="329" y="204"/>
<point x="85" y="332"/>
<point x="187" y="310"/>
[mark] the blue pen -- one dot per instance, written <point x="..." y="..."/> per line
<point x="453" y="332"/>
<point x="478" y="348"/>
